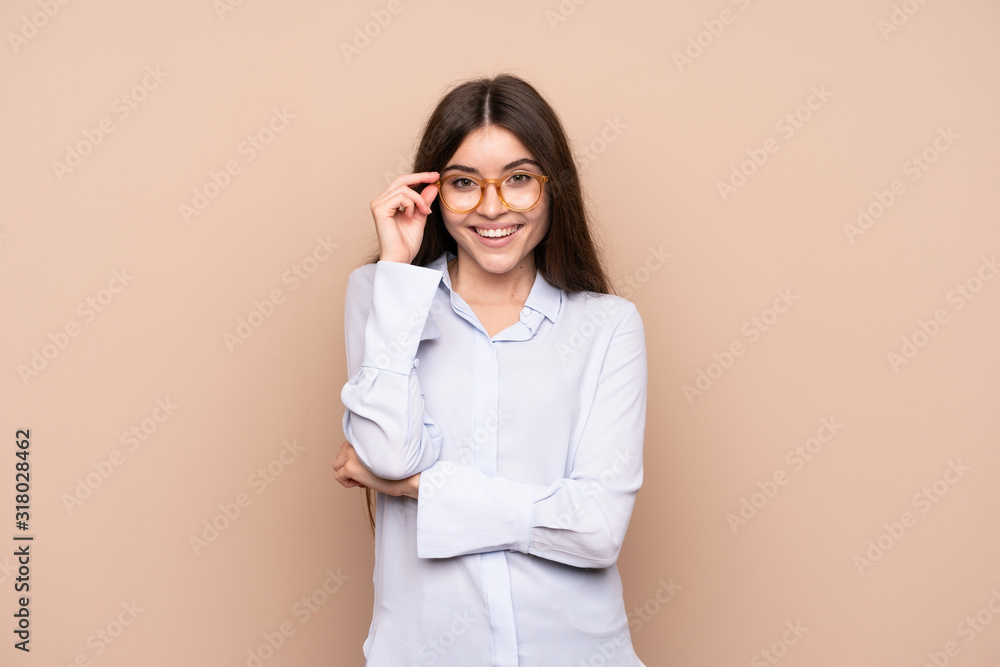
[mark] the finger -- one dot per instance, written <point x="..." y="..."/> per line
<point x="428" y="195"/>
<point x="346" y="449"/>
<point x="403" y="200"/>
<point x="341" y="459"/>
<point x="414" y="179"/>
<point x="344" y="478"/>
<point x="402" y="184"/>
<point x="414" y="200"/>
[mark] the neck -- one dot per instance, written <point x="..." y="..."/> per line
<point x="475" y="284"/>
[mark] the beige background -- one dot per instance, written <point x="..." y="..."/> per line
<point x="655" y="134"/>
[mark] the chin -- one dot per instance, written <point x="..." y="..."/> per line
<point x="495" y="262"/>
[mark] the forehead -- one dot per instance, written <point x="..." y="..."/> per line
<point x="490" y="147"/>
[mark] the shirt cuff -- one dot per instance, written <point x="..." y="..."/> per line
<point x="462" y="511"/>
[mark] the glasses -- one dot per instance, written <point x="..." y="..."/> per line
<point x="520" y="191"/>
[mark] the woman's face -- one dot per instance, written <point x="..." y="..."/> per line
<point x="493" y="152"/>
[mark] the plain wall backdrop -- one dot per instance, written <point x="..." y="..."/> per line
<point x="800" y="197"/>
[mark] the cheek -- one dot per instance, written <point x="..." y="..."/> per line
<point x="543" y="221"/>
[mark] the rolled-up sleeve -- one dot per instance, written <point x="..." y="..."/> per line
<point x="386" y="311"/>
<point x="579" y="520"/>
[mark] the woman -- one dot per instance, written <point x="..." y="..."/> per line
<point x="496" y="401"/>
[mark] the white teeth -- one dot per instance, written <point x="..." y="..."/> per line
<point x="495" y="233"/>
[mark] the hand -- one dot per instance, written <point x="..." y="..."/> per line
<point x="351" y="472"/>
<point x="401" y="230"/>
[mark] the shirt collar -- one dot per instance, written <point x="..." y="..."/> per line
<point x="544" y="297"/>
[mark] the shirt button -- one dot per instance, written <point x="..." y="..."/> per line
<point x="416" y="362"/>
<point x="525" y="312"/>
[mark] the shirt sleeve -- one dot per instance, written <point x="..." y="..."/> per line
<point x="578" y="520"/>
<point x="386" y="312"/>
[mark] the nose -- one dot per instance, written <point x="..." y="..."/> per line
<point x="491" y="206"/>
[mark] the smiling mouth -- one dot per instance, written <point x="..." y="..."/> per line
<point x="497" y="233"/>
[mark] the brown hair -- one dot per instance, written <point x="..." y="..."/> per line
<point x="567" y="256"/>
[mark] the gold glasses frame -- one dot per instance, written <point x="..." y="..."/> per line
<point x="495" y="182"/>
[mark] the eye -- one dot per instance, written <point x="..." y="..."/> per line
<point x="463" y="183"/>
<point x="517" y="179"/>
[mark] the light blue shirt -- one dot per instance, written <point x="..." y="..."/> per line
<point x="529" y="446"/>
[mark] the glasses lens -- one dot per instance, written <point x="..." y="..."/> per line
<point x="521" y="191"/>
<point x="460" y="193"/>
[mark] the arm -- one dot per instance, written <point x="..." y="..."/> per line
<point x="578" y="520"/>
<point x="384" y="418"/>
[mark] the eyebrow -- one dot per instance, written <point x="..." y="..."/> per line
<point x="507" y="167"/>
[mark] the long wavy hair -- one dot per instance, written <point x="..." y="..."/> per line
<point x="566" y="256"/>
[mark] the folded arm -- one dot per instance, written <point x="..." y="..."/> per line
<point x="578" y="520"/>
<point x="386" y="310"/>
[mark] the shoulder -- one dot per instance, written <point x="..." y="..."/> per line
<point x="606" y="311"/>
<point x="360" y="285"/>
<point x="365" y="272"/>
<point x="591" y="326"/>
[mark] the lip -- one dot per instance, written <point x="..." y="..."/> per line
<point x="497" y="242"/>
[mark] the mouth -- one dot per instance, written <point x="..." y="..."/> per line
<point x="497" y="233"/>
